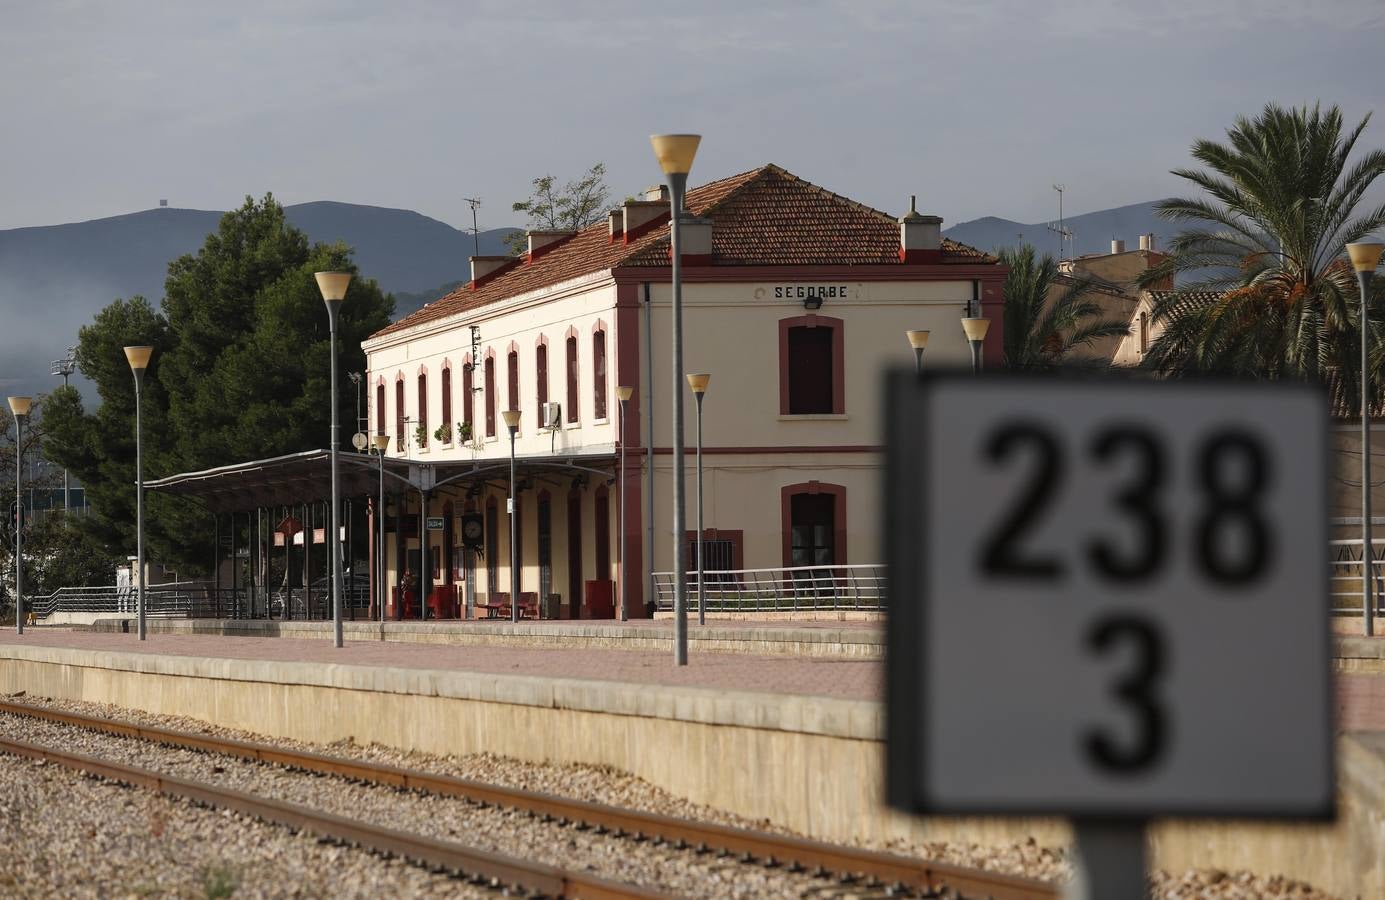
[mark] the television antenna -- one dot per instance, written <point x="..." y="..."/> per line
<point x="1064" y="233"/>
<point x="475" y="230"/>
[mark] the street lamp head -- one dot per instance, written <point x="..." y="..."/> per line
<point x="381" y="443"/>
<point x="624" y="392"/>
<point x="675" y="151"/>
<point x="917" y="339"/>
<point x="976" y="328"/>
<point x="138" y="357"/>
<point x="698" y="383"/>
<point x="20" y="405"/>
<point x="511" y="417"/>
<point x="332" y="285"/>
<point x="1365" y="256"/>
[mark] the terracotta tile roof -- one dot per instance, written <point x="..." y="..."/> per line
<point x="765" y="217"/>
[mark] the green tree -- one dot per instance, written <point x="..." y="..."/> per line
<point x="576" y="205"/>
<point x="1266" y="291"/>
<point x="240" y="371"/>
<point x="1048" y="314"/>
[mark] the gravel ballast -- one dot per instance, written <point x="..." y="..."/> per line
<point x="681" y="872"/>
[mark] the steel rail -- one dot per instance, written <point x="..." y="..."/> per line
<point x="923" y="876"/>
<point x="498" y="869"/>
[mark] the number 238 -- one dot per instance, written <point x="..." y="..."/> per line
<point x="1227" y="504"/>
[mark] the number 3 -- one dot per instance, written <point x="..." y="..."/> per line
<point x="1136" y="690"/>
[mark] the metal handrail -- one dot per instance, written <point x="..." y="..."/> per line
<point x="1346" y="588"/>
<point x="787" y="589"/>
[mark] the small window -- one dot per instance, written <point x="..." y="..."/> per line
<point x="422" y="420"/>
<point x="541" y="380"/>
<point x="447" y="403"/>
<point x="380" y="427"/>
<point x="490" y="396"/>
<point x="599" y="373"/>
<point x="513" y="377"/>
<point x="572" y="379"/>
<point x="399" y="413"/>
<point x="811" y="535"/>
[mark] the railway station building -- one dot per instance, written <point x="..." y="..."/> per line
<point x="794" y="299"/>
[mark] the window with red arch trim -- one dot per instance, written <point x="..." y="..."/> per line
<point x="599" y="373"/>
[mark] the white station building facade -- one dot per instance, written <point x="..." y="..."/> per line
<point x="794" y="300"/>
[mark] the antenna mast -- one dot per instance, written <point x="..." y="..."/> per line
<point x="475" y="231"/>
<point x="1064" y="234"/>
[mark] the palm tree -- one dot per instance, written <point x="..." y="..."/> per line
<point x="1049" y="314"/>
<point x="1267" y="292"/>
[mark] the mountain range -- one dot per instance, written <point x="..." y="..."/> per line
<point x="53" y="279"/>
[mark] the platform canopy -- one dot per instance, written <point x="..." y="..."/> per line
<point x="299" y="477"/>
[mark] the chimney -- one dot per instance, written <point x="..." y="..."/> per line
<point x="920" y="237"/>
<point x="1117" y="246"/>
<point x="1147" y="242"/>
<point x="616" y="220"/>
<point x="540" y="242"/>
<point x="484" y="267"/>
<point x="655" y="193"/>
<point x="695" y="235"/>
<point x="642" y="215"/>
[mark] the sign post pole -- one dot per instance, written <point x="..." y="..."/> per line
<point x="1110" y="860"/>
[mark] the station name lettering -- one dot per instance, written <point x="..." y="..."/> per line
<point x="800" y="291"/>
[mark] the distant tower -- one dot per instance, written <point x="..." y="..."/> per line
<point x="163" y="203"/>
<point x="1064" y="233"/>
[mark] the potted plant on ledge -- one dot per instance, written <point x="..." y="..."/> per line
<point x="443" y="433"/>
<point x="421" y="436"/>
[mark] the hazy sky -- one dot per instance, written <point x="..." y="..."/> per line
<point x="976" y="106"/>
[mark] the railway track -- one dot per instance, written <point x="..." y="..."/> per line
<point x="853" y="870"/>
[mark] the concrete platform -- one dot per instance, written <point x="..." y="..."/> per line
<point x="835" y="639"/>
<point x="797" y="741"/>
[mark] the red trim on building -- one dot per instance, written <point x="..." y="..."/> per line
<point x="571" y="332"/>
<point x="813" y="320"/>
<point x="626" y="338"/>
<point x="918" y="257"/>
<point x="513" y="347"/>
<point x="541" y="340"/>
<point x="838" y="491"/>
<point x="783" y="448"/>
<point x="599" y="325"/>
<point x="777" y="274"/>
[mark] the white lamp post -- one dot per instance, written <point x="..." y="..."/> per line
<point x="20" y="407"/>
<point x="676" y="153"/>
<point x="976" y="329"/>
<point x="623" y="394"/>
<point x="1364" y="258"/>
<point x="381" y="443"/>
<point x="511" y="417"/>
<point x="918" y="340"/>
<point x="333" y="287"/>
<point x="699" y="383"/>
<point x="138" y="357"/>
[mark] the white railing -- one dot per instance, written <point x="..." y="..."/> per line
<point x="801" y="588"/>
<point x="169" y="600"/>
<point x="1346" y="580"/>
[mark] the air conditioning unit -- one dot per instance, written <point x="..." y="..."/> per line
<point x="552" y="415"/>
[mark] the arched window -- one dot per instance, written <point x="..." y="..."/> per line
<point x="468" y="391"/>
<point x="399" y="413"/>
<point x="814" y="524"/>
<point x="512" y="375"/>
<point x="572" y="379"/>
<point x="422" y="420"/>
<point x="490" y="396"/>
<point x="380" y="428"/>
<point x="541" y="381"/>
<point x="599" y="373"/>
<point x="447" y="403"/>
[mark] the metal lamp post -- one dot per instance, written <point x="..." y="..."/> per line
<point x="65" y="367"/>
<point x="976" y="329"/>
<point x="699" y="383"/>
<point x="676" y="153"/>
<point x="918" y="340"/>
<point x="511" y="417"/>
<point x="20" y="407"/>
<point x="138" y="357"/>
<point x="333" y="287"/>
<point x="623" y="394"/>
<point x="381" y="443"/>
<point x="1364" y="258"/>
